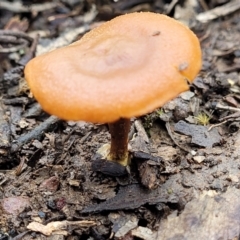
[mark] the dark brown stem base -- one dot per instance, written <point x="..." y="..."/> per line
<point x="119" y="141"/>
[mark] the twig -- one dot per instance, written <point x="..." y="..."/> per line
<point x="12" y="76"/>
<point x="20" y="236"/>
<point x="216" y="125"/>
<point x="16" y="101"/>
<point x="31" y="53"/>
<point x="141" y="131"/>
<point x="220" y="106"/>
<point x="223" y="10"/>
<point x="19" y="168"/>
<point x="171" y="6"/>
<point x="227" y="118"/>
<point x="16" y="34"/>
<point x="4" y="131"/>
<point x="233" y="116"/>
<point x="16" y="38"/>
<point x="204" y="5"/>
<point x="36" y="133"/>
<point x="33" y="111"/>
<point x="234" y="67"/>
<point x="168" y="127"/>
<point x="18" y="7"/>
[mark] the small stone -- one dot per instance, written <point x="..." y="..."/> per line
<point x="187" y="95"/>
<point x="199" y="159"/>
<point x="60" y="203"/>
<point x="15" y="205"/>
<point x="51" y="204"/>
<point x="122" y="224"/>
<point x="200" y="134"/>
<point x="144" y="233"/>
<point x="74" y="183"/>
<point x="51" y="184"/>
<point x="57" y="169"/>
<point x="37" y="144"/>
<point x="23" y="124"/>
<point x="41" y="214"/>
<point x="193" y="152"/>
<point x="233" y="178"/>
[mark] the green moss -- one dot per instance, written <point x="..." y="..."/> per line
<point x="203" y="119"/>
<point x="149" y="119"/>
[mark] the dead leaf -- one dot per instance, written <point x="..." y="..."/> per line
<point x="58" y="227"/>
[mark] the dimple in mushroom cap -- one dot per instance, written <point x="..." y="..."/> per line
<point x="126" y="67"/>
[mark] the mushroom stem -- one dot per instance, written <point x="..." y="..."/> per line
<point x="119" y="140"/>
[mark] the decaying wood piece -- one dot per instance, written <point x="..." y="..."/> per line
<point x="34" y="111"/>
<point x="16" y="101"/>
<point x="4" y="132"/>
<point x="12" y="77"/>
<point x="15" y="118"/>
<point x="131" y="197"/>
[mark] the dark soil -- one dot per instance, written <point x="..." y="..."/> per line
<point x="185" y="177"/>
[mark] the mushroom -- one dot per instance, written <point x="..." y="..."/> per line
<point x="127" y="67"/>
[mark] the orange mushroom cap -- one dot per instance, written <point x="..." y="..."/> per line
<point x="126" y="67"/>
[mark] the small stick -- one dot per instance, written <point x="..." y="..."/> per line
<point x="19" y="168"/>
<point x="141" y="131"/>
<point x="216" y="125"/>
<point x="4" y="130"/>
<point x="223" y="10"/>
<point x="168" y="127"/>
<point x="31" y="53"/>
<point x="36" y="133"/>
<point x="204" y="5"/>
<point x="18" y="7"/>
<point x="171" y="6"/>
<point x="17" y="38"/>
<point x="16" y="34"/>
<point x="220" y="106"/>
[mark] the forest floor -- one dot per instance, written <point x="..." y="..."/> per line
<point x="188" y="186"/>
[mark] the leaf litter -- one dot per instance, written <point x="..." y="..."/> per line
<point x="45" y="163"/>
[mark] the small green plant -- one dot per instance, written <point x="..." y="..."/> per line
<point x="159" y="111"/>
<point x="148" y="122"/>
<point x="203" y="119"/>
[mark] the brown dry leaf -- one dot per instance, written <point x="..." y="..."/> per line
<point x="51" y="138"/>
<point x="17" y="24"/>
